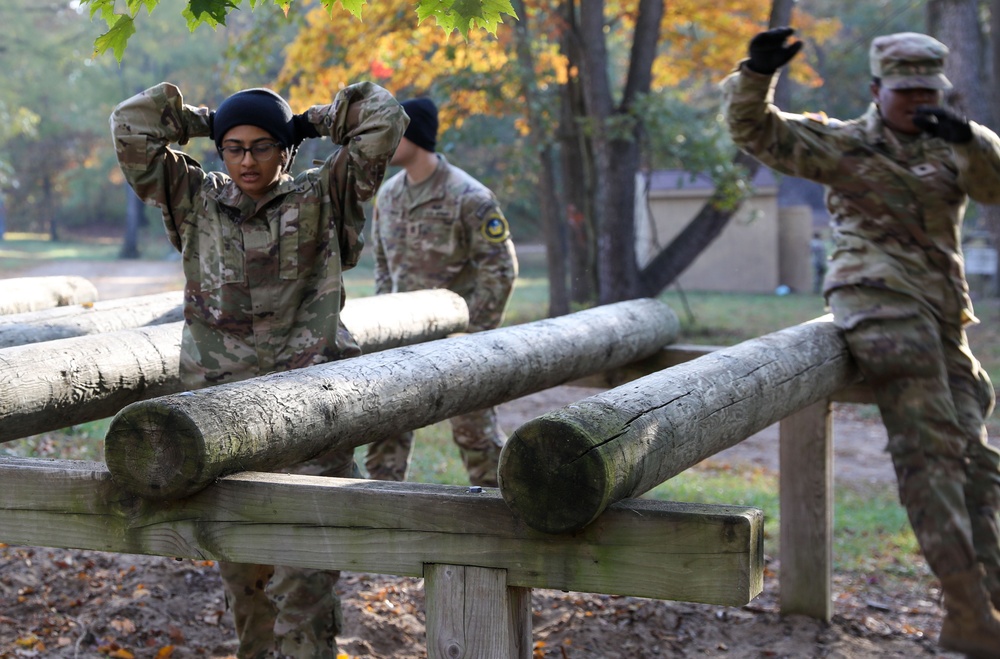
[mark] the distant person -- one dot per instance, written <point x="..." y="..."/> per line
<point x="898" y="179"/>
<point x="263" y="254"/>
<point x="817" y="254"/>
<point x="434" y="226"/>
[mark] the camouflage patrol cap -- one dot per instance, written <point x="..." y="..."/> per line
<point x="909" y="60"/>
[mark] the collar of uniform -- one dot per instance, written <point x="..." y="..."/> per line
<point x="874" y="126"/>
<point x="231" y="195"/>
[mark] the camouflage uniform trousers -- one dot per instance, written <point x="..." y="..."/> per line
<point x="283" y="611"/>
<point x="477" y="435"/>
<point x="934" y="397"/>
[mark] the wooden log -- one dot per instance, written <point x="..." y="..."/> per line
<point x="23" y="294"/>
<point x="91" y="318"/>
<point x="560" y="470"/>
<point x="175" y="445"/>
<point x="55" y="384"/>
<point x="643" y="548"/>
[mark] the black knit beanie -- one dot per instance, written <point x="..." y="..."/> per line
<point x="255" y="107"/>
<point x="423" y="127"/>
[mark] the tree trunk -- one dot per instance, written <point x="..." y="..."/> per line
<point x="548" y="199"/>
<point x="173" y="446"/>
<point x="682" y="251"/>
<point x="957" y="24"/>
<point x="25" y="294"/>
<point x="577" y="172"/>
<point x="52" y="385"/>
<point x="98" y="318"/>
<point x="559" y="471"/>
<point x="135" y="217"/>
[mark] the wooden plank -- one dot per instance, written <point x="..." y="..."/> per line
<point x="645" y="548"/>
<point x="806" y="482"/>
<point x="472" y="614"/>
<point x="25" y="294"/>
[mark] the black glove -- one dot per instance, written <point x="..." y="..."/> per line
<point x="768" y="51"/>
<point x="211" y="125"/>
<point x="304" y="129"/>
<point x="943" y="123"/>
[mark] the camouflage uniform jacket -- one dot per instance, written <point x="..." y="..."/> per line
<point x="452" y="235"/>
<point x="263" y="280"/>
<point x="896" y="202"/>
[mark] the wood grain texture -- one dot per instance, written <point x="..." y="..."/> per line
<point x="560" y="470"/>
<point x="54" y="384"/>
<point x="644" y="548"/>
<point x="22" y="294"/>
<point x="172" y="446"/>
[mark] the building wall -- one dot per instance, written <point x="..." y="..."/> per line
<point x="743" y="259"/>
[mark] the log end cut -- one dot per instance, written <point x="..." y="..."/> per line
<point x="154" y="450"/>
<point x="552" y="473"/>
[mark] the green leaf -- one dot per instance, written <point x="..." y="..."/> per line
<point x="212" y="12"/>
<point x="135" y="5"/>
<point x="464" y="15"/>
<point x="116" y="38"/>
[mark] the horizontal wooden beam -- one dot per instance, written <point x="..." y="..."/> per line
<point x="558" y="471"/>
<point x="644" y="548"/>
<point x="172" y="446"/>
<point x="54" y="384"/>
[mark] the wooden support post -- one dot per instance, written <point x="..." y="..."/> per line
<point x="806" y="481"/>
<point x="473" y="614"/>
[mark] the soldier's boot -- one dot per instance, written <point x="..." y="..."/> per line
<point x="971" y="624"/>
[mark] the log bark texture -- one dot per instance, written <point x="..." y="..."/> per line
<point x="24" y="294"/>
<point x="558" y="472"/>
<point x="85" y="319"/>
<point x="55" y="384"/>
<point x="173" y="446"/>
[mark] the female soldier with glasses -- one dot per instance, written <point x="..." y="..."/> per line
<point x="263" y="254"/>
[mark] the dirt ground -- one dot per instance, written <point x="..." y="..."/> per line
<point x="67" y="603"/>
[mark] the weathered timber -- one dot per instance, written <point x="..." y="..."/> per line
<point x="23" y="294"/>
<point x="643" y="548"/>
<point x="55" y="384"/>
<point x="175" y="445"/>
<point x="560" y="470"/>
<point x="97" y="318"/>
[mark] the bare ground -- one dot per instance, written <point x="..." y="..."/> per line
<point x="68" y="603"/>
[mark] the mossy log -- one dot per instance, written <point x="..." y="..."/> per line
<point x="173" y="446"/>
<point x="55" y="384"/>
<point x="559" y="471"/>
<point x="24" y="294"/>
<point x="91" y="318"/>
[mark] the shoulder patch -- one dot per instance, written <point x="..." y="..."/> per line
<point x="495" y="228"/>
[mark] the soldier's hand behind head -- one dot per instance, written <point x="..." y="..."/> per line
<point x="943" y="123"/>
<point x="769" y="51"/>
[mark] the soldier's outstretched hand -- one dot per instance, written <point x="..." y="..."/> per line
<point x="769" y="50"/>
<point x="943" y="123"/>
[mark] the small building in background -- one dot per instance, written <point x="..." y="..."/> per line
<point x="763" y="247"/>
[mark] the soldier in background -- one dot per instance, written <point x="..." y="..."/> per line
<point x="898" y="180"/>
<point x="434" y="226"/>
<point x="263" y="254"/>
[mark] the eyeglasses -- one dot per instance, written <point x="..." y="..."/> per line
<point x="261" y="152"/>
